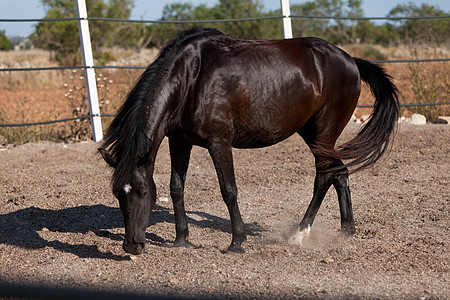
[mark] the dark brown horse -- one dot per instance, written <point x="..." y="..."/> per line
<point x="219" y="92"/>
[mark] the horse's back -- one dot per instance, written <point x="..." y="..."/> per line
<point x="266" y="90"/>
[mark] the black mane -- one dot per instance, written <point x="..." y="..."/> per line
<point x="126" y="137"/>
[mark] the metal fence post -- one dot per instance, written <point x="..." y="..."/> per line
<point x="287" y="23"/>
<point x="91" y="86"/>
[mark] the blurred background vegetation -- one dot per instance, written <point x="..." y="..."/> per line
<point x="50" y="95"/>
<point x="53" y="35"/>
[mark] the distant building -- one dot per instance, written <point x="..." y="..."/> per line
<point x="24" y="45"/>
<point x="21" y="43"/>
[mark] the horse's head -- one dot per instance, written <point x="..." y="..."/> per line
<point x="137" y="196"/>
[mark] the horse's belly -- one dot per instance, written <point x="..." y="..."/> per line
<point x="244" y="143"/>
<point x="254" y="139"/>
<point x="262" y="130"/>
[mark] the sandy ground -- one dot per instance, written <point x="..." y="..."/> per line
<point x="60" y="225"/>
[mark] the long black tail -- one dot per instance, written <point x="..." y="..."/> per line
<point x="376" y="137"/>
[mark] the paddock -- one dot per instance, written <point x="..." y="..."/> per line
<point x="60" y="225"/>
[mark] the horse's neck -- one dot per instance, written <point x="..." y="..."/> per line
<point x="157" y="117"/>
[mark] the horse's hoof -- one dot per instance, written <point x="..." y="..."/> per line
<point x="234" y="249"/>
<point x="133" y="248"/>
<point x="184" y="244"/>
<point x="299" y="236"/>
<point x="348" y="230"/>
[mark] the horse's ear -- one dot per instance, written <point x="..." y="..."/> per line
<point x="108" y="157"/>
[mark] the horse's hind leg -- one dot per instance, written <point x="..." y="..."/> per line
<point x="179" y="154"/>
<point x="324" y="179"/>
<point x="340" y="183"/>
<point x="322" y="183"/>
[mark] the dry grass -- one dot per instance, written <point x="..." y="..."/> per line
<point x="26" y="80"/>
<point x="31" y="96"/>
<point x="417" y="82"/>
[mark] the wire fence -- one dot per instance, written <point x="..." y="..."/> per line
<point x="204" y="22"/>
<point x="144" y="67"/>
<point x="227" y="20"/>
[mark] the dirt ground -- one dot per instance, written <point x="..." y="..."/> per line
<point x="60" y="225"/>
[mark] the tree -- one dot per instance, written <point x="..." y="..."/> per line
<point x="419" y="30"/>
<point x="239" y="9"/>
<point x="177" y="12"/>
<point x="5" y="43"/>
<point x="157" y="34"/>
<point x="224" y="9"/>
<point x="335" y="30"/>
<point x="62" y="37"/>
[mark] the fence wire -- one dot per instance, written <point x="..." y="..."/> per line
<point x="113" y="115"/>
<point x="145" y="67"/>
<point x="204" y="22"/>
<point x="57" y="121"/>
<point x="227" y="20"/>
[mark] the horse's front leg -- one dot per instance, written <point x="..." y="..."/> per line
<point x="180" y="152"/>
<point x="222" y="157"/>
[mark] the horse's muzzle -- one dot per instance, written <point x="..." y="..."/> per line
<point x="136" y="244"/>
<point x="133" y="248"/>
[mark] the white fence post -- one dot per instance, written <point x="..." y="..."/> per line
<point x="91" y="86"/>
<point x="287" y="24"/>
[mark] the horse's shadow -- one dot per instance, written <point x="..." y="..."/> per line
<point x="21" y="228"/>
